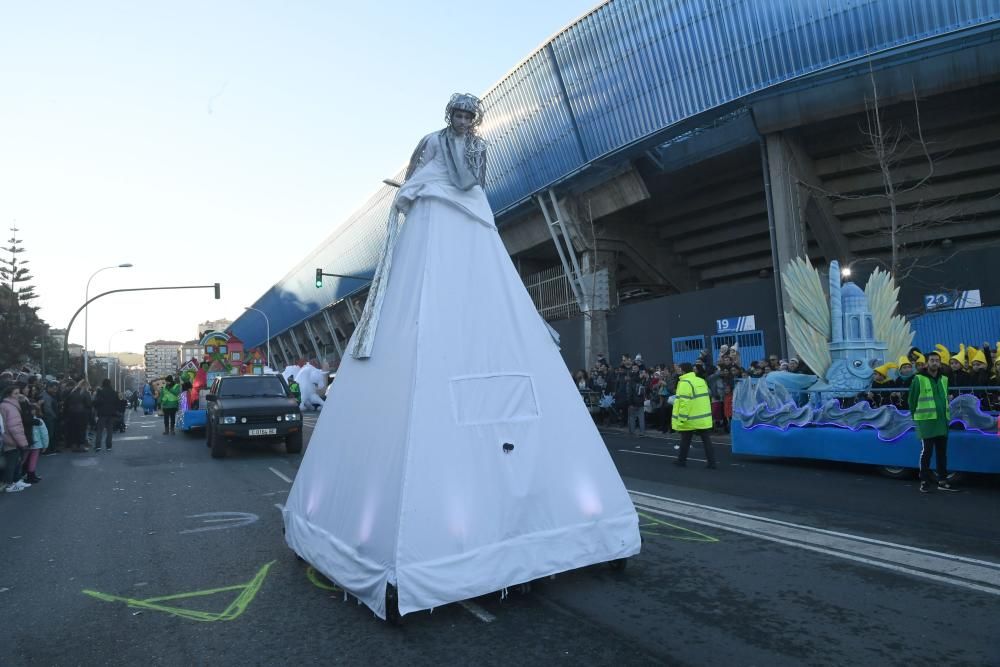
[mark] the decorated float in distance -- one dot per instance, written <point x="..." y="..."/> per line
<point x="222" y="354"/>
<point x="846" y="335"/>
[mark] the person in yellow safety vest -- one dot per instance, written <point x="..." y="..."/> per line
<point x="692" y="413"/>
<point x="931" y="415"/>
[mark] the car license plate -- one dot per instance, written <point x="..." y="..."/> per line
<point x="263" y="431"/>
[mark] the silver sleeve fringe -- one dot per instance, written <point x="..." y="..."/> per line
<point x="364" y="336"/>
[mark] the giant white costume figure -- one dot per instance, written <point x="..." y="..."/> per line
<point x="454" y="456"/>
<point x="312" y="383"/>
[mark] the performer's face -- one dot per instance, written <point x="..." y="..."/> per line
<point x="461" y="120"/>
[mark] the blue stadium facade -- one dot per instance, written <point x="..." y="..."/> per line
<point x="628" y="81"/>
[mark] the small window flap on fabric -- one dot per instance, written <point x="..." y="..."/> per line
<point x="493" y="399"/>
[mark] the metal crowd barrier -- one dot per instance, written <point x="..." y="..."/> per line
<point x="989" y="397"/>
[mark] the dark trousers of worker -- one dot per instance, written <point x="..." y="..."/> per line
<point x="706" y="441"/>
<point x="169" y="417"/>
<point x="938" y="446"/>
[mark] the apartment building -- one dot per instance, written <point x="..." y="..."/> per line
<point x="161" y="358"/>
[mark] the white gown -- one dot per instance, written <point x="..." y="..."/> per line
<point x="458" y="459"/>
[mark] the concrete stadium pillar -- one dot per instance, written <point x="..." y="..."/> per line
<point x="595" y="323"/>
<point x="295" y="343"/>
<point x="311" y="335"/>
<point x="789" y="231"/>
<point x="786" y="225"/>
<point x="284" y="351"/>
<point x="333" y="334"/>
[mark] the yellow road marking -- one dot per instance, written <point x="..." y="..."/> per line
<point x="248" y="590"/>
<point x="654" y="522"/>
<point x="319" y="581"/>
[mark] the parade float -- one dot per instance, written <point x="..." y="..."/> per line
<point x="222" y="354"/>
<point x="843" y="334"/>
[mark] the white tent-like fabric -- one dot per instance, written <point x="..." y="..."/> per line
<point x="459" y="459"/>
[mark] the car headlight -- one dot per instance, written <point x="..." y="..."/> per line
<point x="229" y="420"/>
<point x="292" y="417"/>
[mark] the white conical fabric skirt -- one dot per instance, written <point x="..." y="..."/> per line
<point x="459" y="458"/>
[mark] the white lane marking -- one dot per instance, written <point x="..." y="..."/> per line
<point x="974" y="574"/>
<point x="230" y="519"/>
<point x="280" y="474"/>
<point x="477" y="611"/>
<point x="132" y="437"/>
<point x="666" y="456"/>
<point x="834" y="533"/>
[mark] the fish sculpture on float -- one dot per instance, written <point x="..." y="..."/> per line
<point x="843" y="341"/>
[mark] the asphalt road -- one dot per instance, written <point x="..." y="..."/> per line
<point x="158" y="554"/>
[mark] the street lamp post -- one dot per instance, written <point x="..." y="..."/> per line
<point x="117" y="365"/>
<point x="267" y="325"/>
<point x="86" y="320"/>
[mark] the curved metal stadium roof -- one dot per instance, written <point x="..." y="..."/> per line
<point x="626" y="74"/>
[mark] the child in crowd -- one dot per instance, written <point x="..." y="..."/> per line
<point x="40" y="441"/>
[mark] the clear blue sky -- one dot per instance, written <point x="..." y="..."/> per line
<point x="221" y="140"/>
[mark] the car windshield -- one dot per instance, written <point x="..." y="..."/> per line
<point x="252" y="386"/>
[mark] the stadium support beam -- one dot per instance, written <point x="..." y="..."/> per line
<point x="295" y="343"/>
<point x="814" y="206"/>
<point x="312" y="339"/>
<point x="595" y="324"/>
<point x="789" y="230"/>
<point x="797" y="205"/>
<point x="289" y="359"/>
<point x="333" y="334"/>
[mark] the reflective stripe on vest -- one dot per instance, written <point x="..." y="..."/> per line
<point x="926" y="408"/>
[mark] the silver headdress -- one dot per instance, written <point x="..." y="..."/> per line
<point x="474" y="147"/>
<point x="465" y="102"/>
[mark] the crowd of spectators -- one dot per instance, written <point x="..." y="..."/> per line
<point x="40" y="418"/>
<point x="634" y="395"/>
<point x="970" y="370"/>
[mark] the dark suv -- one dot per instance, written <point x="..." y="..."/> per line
<point x="252" y="408"/>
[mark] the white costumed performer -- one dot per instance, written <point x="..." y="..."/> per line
<point x="454" y="456"/>
<point x="312" y="382"/>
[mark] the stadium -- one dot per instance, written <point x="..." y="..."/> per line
<point x="655" y="164"/>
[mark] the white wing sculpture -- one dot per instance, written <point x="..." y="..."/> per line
<point x="890" y="328"/>
<point x="807" y="321"/>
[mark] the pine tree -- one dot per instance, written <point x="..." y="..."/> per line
<point x="20" y="326"/>
<point x="14" y="272"/>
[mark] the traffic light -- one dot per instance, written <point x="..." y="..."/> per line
<point x="216" y="290"/>
<point x="319" y="278"/>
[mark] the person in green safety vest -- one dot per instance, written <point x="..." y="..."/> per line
<point x="170" y="398"/>
<point x="296" y="391"/>
<point x="931" y="414"/>
<point x="692" y="413"/>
